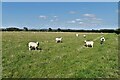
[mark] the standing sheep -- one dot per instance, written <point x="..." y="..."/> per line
<point x="84" y="36"/>
<point x="102" y="39"/>
<point x="33" y="45"/>
<point x="59" y="39"/>
<point x="89" y="43"/>
<point x="77" y="35"/>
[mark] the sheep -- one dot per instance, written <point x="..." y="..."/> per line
<point x="77" y="35"/>
<point x="84" y="36"/>
<point x="102" y="39"/>
<point x="58" y="39"/>
<point x="101" y="32"/>
<point x="33" y="45"/>
<point x="89" y="43"/>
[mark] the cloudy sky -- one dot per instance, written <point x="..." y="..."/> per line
<point x="64" y="15"/>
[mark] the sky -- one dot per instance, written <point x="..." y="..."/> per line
<point x="64" y="15"/>
<point x="60" y="0"/>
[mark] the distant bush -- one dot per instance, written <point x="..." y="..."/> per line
<point x="117" y="31"/>
<point x="13" y="29"/>
<point x="25" y="29"/>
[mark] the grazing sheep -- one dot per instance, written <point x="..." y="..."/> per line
<point x="33" y="45"/>
<point x="59" y="39"/>
<point x="84" y="36"/>
<point x="89" y="43"/>
<point x="102" y="39"/>
<point x="77" y="35"/>
<point x="101" y="32"/>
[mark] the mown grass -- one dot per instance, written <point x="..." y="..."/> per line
<point x="69" y="59"/>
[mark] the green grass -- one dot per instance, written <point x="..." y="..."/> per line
<point x="58" y="60"/>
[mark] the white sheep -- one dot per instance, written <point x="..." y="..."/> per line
<point x="102" y="39"/>
<point x="77" y="35"/>
<point x="89" y="43"/>
<point x="84" y="36"/>
<point x="101" y="32"/>
<point x="59" y="39"/>
<point x="33" y="45"/>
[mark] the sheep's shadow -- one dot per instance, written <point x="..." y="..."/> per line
<point x="87" y="45"/>
<point x="39" y="48"/>
<point x="59" y="42"/>
<point x="36" y="48"/>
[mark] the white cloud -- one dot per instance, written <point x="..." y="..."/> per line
<point x="80" y="23"/>
<point x="91" y="19"/>
<point x="55" y="16"/>
<point x="89" y="15"/>
<point x="97" y="19"/>
<point x="72" y="21"/>
<point x="53" y="20"/>
<point x="42" y="17"/>
<point x="78" y="19"/>
<point x="72" y="12"/>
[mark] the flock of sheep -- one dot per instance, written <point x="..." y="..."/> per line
<point x="34" y="45"/>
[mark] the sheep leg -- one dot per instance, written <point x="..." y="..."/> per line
<point x="29" y="48"/>
<point x="37" y="48"/>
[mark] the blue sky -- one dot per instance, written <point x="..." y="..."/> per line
<point x="60" y="0"/>
<point x="65" y="15"/>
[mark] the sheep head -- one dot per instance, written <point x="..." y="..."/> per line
<point x="85" y="41"/>
<point x="37" y="43"/>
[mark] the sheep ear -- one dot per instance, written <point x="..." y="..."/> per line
<point x="37" y="42"/>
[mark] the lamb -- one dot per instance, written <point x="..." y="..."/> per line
<point x="84" y="36"/>
<point x="33" y="45"/>
<point x="89" y="43"/>
<point x="102" y="39"/>
<point x="77" y="35"/>
<point x="59" y="39"/>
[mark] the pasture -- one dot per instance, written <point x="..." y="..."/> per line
<point x="69" y="59"/>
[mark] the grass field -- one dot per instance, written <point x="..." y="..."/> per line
<point x="69" y="59"/>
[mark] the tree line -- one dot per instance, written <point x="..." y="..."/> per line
<point x="117" y="31"/>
